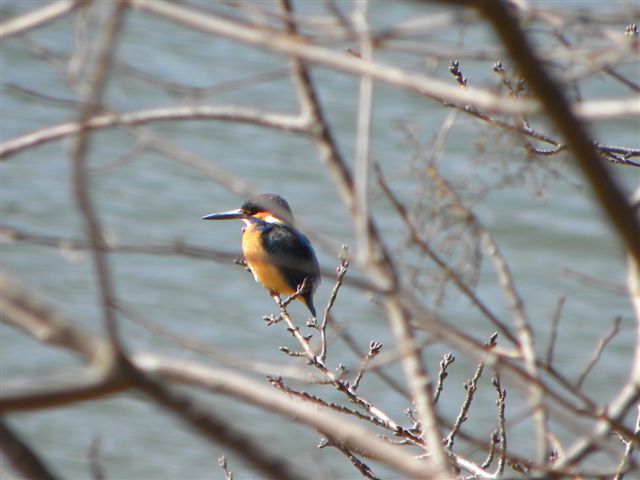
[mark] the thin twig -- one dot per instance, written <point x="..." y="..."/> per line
<point x="595" y="282"/>
<point x="470" y="387"/>
<point x="442" y="375"/>
<point x="397" y="430"/>
<point x="626" y="463"/>
<point x="97" y="471"/>
<point x="362" y="467"/>
<point x="374" y="349"/>
<point x="615" y="328"/>
<point x="348" y="339"/>
<point x="326" y="318"/>
<point x="295" y="331"/>
<point x="100" y="121"/>
<point x="554" y="330"/>
<point x="222" y="461"/>
<point x="335" y="380"/>
<point x="502" y="433"/>
<point x="492" y="450"/>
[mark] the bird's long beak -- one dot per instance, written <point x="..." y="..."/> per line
<point x="230" y="215"/>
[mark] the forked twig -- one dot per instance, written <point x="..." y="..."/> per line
<point x="326" y="318"/>
<point x="374" y="349"/>
<point x="470" y="386"/>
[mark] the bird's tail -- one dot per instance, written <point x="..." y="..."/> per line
<point x="307" y="299"/>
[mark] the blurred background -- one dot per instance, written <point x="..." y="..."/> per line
<point x="538" y="208"/>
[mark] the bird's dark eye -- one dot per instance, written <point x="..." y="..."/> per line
<point x="250" y="209"/>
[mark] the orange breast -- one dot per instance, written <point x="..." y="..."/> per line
<point x="262" y="266"/>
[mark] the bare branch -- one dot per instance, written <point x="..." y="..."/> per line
<point x="37" y="18"/>
<point x="215" y="428"/>
<point x="586" y="444"/>
<point x="21" y="456"/>
<point x="92" y="383"/>
<point x="178" y="247"/>
<point x="363" y="137"/>
<point x="338" y="431"/>
<point x="204" y="377"/>
<point x="100" y="121"/>
<point x="24" y="311"/>
<point x="627" y="463"/>
<point x="606" y="189"/>
<point x="428" y="86"/>
<point x="633" y="284"/>
<point x="80" y="181"/>
<point x="301" y="48"/>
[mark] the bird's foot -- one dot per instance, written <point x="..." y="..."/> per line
<point x="243" y="263"/>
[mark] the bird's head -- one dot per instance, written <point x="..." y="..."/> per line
<point x="267" y="207"/>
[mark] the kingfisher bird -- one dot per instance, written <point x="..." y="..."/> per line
<point x="278" y="255"/>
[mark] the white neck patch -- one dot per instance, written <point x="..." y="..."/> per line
<point x="272" y="219"/>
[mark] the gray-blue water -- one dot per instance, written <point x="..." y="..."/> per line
<point x="544" y="224"/>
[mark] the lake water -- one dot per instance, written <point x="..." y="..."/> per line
<point x="545" y="225"/>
